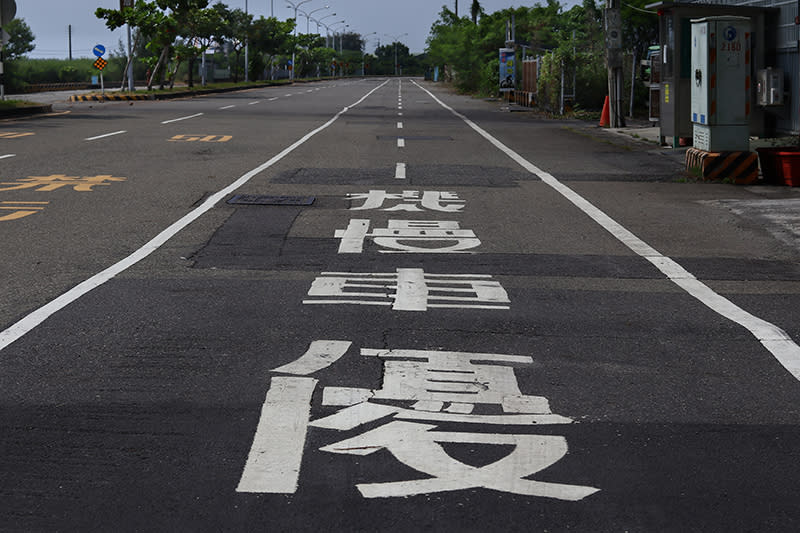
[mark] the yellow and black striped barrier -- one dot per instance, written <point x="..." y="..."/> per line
<point x="108" y="97"/>
<point x="740" y="168"/>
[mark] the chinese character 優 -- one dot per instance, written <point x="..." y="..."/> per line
<point x="439" y="387"/>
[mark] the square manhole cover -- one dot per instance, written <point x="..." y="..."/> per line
<point x="260" y="199"/>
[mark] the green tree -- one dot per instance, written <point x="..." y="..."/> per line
<point x="269" y="37"/>
<point x="234" y="30"/>
<point x="20" y="40"/>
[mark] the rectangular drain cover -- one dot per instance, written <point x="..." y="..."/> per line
<point x="258" y="199"/>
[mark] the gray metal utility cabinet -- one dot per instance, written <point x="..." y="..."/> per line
<point x="677" y="76"/>
<point x="720" y="88"/>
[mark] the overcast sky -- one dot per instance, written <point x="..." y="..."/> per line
<point x="49" y="20"/>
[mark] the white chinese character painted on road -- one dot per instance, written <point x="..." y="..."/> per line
<point x="408" y="236"/>
<point x="420" y="389"/>
<point x="409" y="289"/>
<point x="429" y="200"/>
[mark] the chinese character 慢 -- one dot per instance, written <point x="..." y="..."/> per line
<point x="427" y="236"/>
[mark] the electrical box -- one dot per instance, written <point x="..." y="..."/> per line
<point x="770" y="87"/>
<point x="720" y="84"/>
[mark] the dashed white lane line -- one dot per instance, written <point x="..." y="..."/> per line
<point x="401" y="143"/>
<point x="7" y="156"/>
<point x="254" y="103"/>
<point x="182" y="118"/>
<point x="287" y="95"/>
<point x="400" y="171"/>
<point x="32" y="320"/>
<point x="105" y="135"/>
<point x="399" y="125"/>
<point x="773" y="338"/>
<point x="227" y="107"/>
<point x="273" y="99"/>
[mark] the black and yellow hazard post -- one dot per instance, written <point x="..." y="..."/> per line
<point x="740" y="168"/>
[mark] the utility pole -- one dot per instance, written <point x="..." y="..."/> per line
<point x="613" y="23"/>
<point x="456" y="8"/>
<point x="69" y="33"/>
<point x="246" y="52"/>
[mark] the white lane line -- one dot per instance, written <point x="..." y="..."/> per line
<point x="273" y="464"/>
<point x="400" y="171"/>
<point x="399" y="125"/>
<point x="29" y="322"/>
<point x="105" y="135"/>
<point x="401" y="143"/>
<point x="773" y="338"/>
<point x="273" y="99"/>
<point x="254" y="103"/>
<point x="287" y="95"/>
<point x="400" y="114"/>
<point x="182" y="118"/>
<point x="7" y="156"/>
<point x="228" y="107"/>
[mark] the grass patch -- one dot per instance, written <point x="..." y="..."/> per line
<point x="16" y="104"/>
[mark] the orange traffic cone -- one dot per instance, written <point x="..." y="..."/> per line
<point x="605" y="116"/>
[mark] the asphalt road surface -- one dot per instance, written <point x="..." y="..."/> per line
<point x="374" y="305"/>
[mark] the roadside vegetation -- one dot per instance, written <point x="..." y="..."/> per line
<point x="171" y="37"/>
<point x="571" y="41"/>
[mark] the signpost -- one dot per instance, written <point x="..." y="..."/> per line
<point x="508" y="70"/>
<point x="8" y="10"/>
<point x="100" y="64"/>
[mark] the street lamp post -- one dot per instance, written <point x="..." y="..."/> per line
<point x="319" y="21"/>
<point x="364" y="53"/>
<point x="395" y="49"/>
<point x="308" y="17"/>
<point x="246" y="52"/>
<point x="294" y="44"/>
<point x="328" y="31"/>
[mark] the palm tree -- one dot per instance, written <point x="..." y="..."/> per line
<point x="476" y="10"/>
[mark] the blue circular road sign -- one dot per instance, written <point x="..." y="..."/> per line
<point x="99" y="50"/>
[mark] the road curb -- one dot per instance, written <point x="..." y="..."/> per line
<point x="180" y="94"/>
<point x="108" y="97"/>
<point x="26" y="111"/>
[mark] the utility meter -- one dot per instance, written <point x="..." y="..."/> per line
<point x="720" y="83"/>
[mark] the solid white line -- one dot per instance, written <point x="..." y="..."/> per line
<point x="273" y="464"/>
<point x="7" y="156"/>
<point x="182" y="118"/>
<point x="401" y="143"/>
<point x="773" y="338"/>
<point x="400" y="171"/>
<point x="228" y="106"/>
<point x="105" y="135"/>
<point x="26" y="324"/>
